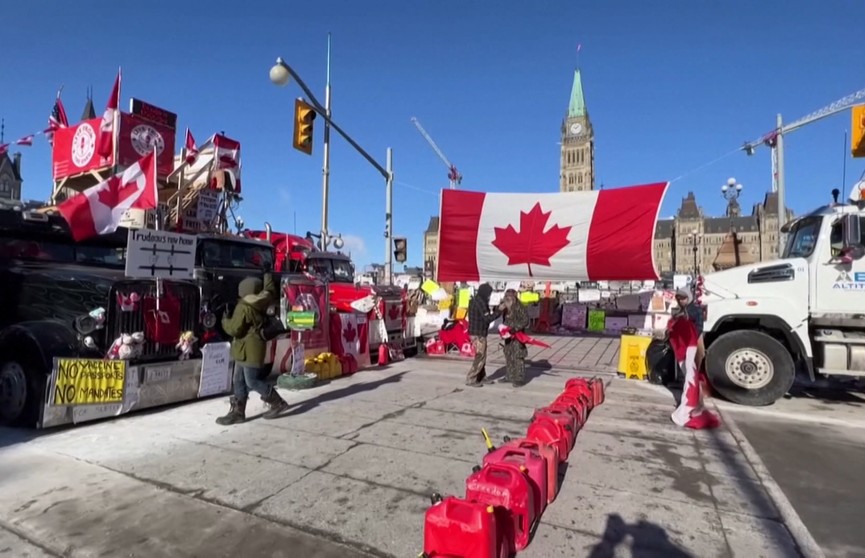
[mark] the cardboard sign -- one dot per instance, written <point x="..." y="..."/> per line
<point x="88" y="381"/>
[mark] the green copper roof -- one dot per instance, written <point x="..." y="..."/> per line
<point x="577" y="106"/>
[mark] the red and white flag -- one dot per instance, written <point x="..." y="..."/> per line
<point x="105" y="146"/>
<point x="575" y="236"/>
<point x="228" y="157"/>
<point x="26" y="140"/>
<point x="99" y="209"/>
<point x="56" y="120"/>
<point x="191" y="149"/>
<point x="4" y="147"/>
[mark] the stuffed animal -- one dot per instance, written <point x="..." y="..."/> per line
<point x="126" y="347"/>
<point x="187" y="340"/>
<point x="99" y="316"/>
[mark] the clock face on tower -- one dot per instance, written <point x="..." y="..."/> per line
<point x="576" y="128"/>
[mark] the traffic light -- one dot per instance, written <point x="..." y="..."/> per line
<point x="400" y="248"/>
<point x="857" y="131"/>
<point x="304" y="115"/>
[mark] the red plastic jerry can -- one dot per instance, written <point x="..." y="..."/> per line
<point x="564" y="422"/>
<point x="597" y="385"/>
<point x="580" y="387"/>
<point x="456" y="528"/>
<point x="507" y="487"/>
<point x="535" y="465"/>
<point x="383" y="354"/>
<point x="550" y="432"/>
<point x="580" y="404"/>
<point x="564" y="414"/>
<point x="550" y="454"/>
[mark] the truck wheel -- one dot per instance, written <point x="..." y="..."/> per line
<point x="21" y="386"/>
<point x="750" y="368"/>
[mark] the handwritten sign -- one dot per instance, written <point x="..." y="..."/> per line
<point x="215" y="369"/>
<point x="88" y="381"/>
<point x="597" y="319"/>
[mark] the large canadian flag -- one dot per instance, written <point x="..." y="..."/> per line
<point x="99" y="209"/>
<point x="574" y="236"/>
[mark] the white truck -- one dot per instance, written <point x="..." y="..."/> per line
<point x="803" y="313"/>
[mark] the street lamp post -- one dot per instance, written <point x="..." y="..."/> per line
<point x="280" y="74"/>
<point x="731" y="191"/>
<point x="694" y="249"/>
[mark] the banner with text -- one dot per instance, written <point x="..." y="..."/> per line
<point x="88" y="381"/>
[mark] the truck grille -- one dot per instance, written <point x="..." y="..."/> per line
<point x="127" y="314"/>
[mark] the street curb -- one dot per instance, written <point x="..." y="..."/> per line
<point x="798" y="531"/>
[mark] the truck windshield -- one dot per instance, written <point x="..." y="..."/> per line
<point x="803" y="238"/>
<point x="337" y="271"/>
<point x="235" y="255"/>
<point x="59" y="252"/>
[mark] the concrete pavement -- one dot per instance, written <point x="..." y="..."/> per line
<point x="813" y="445"/>
<point x="348" y="472"/>
<point x="567" y="352"/>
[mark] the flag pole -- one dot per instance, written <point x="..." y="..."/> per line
<point x="157" y="221"/>
<point x="115" y="140"/>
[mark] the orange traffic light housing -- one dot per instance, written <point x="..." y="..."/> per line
<point x="857" y="131"/>
<point x="304" y="115"/>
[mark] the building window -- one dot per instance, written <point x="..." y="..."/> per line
<point x="580" y="178"/>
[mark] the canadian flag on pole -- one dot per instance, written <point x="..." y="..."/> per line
<point x="106" y="130"/>
<point x="99" y="209"/>
<point x="574" y="236"/>
<point x="228" y="157"/>
<point x="191" y="149"/>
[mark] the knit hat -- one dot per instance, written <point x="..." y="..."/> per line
<point x="250" y="286"/>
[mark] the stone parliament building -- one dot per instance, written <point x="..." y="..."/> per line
<point x="755" y="237"/>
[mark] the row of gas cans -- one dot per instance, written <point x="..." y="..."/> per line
<point x="506" y="497"/>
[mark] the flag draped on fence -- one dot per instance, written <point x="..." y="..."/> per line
<point x="574" y="236"/>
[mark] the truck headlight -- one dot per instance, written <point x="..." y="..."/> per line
<point x="85" y="325"/>
<point x="208" y="320"/>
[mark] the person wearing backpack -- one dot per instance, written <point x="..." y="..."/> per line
<point x="246" y="326"/>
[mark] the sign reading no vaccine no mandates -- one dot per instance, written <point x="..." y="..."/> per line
<point x="88" y="381"/>
<point x="151" y="254"/>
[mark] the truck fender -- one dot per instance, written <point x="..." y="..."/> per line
<point x="765" y="321"/>
<point x="46" y="339"/>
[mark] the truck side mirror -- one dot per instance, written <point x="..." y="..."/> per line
<point x="850" y="229"/>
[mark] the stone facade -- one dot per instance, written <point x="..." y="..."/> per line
<point x="577" y="162"/>
<point x="431" y="246"/>
<point x="10" y="177"/>
<point x="676" y="238"/>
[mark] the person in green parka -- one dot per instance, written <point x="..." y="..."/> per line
<point x="248" y="349"/>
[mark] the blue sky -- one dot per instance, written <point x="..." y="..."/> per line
<point x="670" y="86"/>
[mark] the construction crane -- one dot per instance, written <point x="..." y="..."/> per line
<point x="775" y="140"/>
<point x="454" y="175"/>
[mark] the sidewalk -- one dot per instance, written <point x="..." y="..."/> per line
<point x="349" y="472"/>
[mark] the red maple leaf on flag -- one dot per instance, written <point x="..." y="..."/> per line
<point x="393" y="311"/>
<point x="349" y="334"/>
<point x="532" y="244"/>
<point x="115" y="192"/>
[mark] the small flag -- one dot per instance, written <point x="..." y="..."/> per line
<point x="26" y="140"/>
<point x="191" y="149"/>
<point x="106" y="129"/>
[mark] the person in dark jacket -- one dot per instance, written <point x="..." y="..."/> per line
<point x="689" y="309"/>
<point x="248" y="349"/>
<point x="480" y="319"/>
<point x="517" y="320"/>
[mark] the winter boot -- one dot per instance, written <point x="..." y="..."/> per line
<point x="236" y="414"/>
<point x="276" y="405"/>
